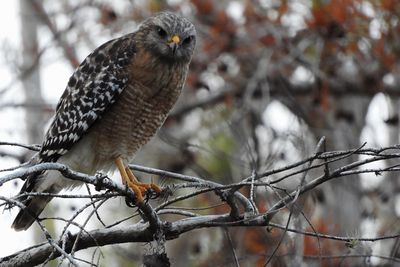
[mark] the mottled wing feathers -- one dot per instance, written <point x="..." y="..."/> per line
<point x="91" y="90"/>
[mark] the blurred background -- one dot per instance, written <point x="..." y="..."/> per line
<point x="268" y="79"/>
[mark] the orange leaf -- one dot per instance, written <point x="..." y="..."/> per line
<point x="325" y="103"/>
<point x="267" y="40"/>
<point x="338" y="10"/>
<point x="203" y="6"/>
<point x="388" y="5"/>
<point x="352" y="46"/>
<point x="320" y="18"/>
<point x="228" y="100"/>
<point x="283" y="9"/>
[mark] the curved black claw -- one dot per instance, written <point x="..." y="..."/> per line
<point x="149" y="194"/>
<point x="131" y="203"/>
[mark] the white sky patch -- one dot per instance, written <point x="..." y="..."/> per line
<point x="272" y="14"/>
<point x="378" y="112"/>
<point x="375" y="134"/>
<point x="286" y="124"/>
<point x="294" y="18"/>
<point x="389" y="79"/>
<point x="55" y="80"/>
<point x="375" y="29"/>
<point x="268" y="4"/>
<point x="9" y="115"/>
<point x="280" y="118"/>
<point x="10" y="28"/>
<point x="192" y="121"/>
<point x="302" y="75"/>
<point x="397" y="208"/>
<point x="294" y="22"/>
<point x="174" y="2"/>
<point x="368" y="9"/>
<point x="235" y="10"/>
<point x="348" y="70"/>
<point x="13" y="241"/>
<point x="9" y="40"/>
<point x="369" y="229"/>
<point x="214" y="82"/>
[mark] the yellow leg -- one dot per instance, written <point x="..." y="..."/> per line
<point x="129" y="179"/>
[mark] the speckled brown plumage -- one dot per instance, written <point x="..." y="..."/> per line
<point x="142" y="108"/>
<point x="114" y="103"/>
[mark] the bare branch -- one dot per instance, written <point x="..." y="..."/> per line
<point x="152" y="227"/>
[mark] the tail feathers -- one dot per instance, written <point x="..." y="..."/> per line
<point x="27" y="216"/>
<point x="34" y="205"/>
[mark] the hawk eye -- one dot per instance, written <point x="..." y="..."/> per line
<point x="188" y="40"/>
<point x="161" y="32"/>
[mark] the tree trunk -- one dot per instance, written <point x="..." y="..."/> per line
<point x="34" y="118"/>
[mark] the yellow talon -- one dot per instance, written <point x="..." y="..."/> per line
<point x="129" y="179"/>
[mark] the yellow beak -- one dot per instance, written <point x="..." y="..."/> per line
<point x="175" y="39"/>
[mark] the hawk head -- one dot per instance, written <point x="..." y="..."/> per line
<point x="169" y="36"/>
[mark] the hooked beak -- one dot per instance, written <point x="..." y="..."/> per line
<point x="174" y="43"/>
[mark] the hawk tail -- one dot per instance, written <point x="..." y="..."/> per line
<point x="29" y="214"/>
<point x="34" y="205"/>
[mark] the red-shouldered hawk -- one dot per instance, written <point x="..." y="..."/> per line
<point x="114" y="103"/>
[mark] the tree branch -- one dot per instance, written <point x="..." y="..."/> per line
<point x="152" y="227"/>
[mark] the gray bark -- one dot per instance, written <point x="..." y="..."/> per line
<point x="34" y="117"/>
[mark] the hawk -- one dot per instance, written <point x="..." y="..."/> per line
<point x="113" y="104"/>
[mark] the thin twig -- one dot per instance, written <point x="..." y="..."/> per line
<point x="228" y="236"/>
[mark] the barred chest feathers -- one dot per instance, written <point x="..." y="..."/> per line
<point x="140" y="110"/>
